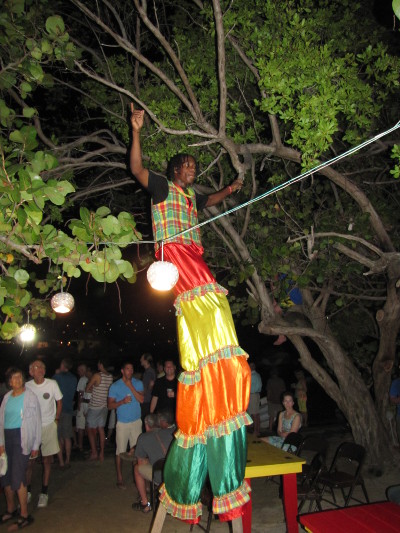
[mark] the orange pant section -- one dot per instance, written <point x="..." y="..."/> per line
<point x="221" y="394"/>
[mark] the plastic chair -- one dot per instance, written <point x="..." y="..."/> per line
<point x="308" y="486"/>
<point x="158" y="467"/>
<point x="345" y="472"/>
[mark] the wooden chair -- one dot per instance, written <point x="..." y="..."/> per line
<point x="345" y="472"/>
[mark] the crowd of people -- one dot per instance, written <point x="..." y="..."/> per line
<point x="81" y="409"/>
<point x="52" y="416"/>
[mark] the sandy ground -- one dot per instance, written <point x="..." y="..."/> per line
<point x="85" y="499"/>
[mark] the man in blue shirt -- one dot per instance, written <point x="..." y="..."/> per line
<point x="67" y="383"/>
<point x="126" y="395"/>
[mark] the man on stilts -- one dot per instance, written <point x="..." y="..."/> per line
<point x="214" y="388"/>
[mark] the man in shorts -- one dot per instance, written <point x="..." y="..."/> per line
<point x="50" y="400"/>
<point x="125" y="396"/>
<point x="67" y="382"/>
<point x="151" y="446"/>
<point x="84" y="374"/>
<point x="96" y="416"/>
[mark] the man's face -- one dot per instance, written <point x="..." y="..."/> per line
<point x="186" y="174"/>
<point x="81" y="370"/>
<point x="169" y="369"/>
<point x="37" y="370"/>
<point x="127" y="371"/>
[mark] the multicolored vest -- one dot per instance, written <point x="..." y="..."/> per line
<point x="176" y="213"/>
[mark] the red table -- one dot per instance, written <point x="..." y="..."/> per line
<point x="382" y="517"/>
<point x="264" y="460"/>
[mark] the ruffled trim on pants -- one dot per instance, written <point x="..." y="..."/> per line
<point x="190" y="377"/>
<point x="237" y="498"/>
<point x="179" y="510"/>
<point x="222" y="504"/>
<point x="201" y="290"/>
<point x="223" y="428"/>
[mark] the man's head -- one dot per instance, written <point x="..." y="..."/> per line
<point x="182" y="170"/>
<point x="37" y="370"/>
<point x="160" y="366"/>
<point x="151" y="422"/>
<point x="66" y="364"/>
<point x="166" y="419"/>
<point x="82" y="369"/>
<point x="169" y="369"/>
<point x="146" y="360"/>
<point x="127" y="370"/>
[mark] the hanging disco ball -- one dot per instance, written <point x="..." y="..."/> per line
<point x="162" y="275"/>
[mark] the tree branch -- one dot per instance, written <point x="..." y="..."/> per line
<point x="221" y="62"/>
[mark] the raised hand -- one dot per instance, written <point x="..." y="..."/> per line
<point x="237" y="185"/>
<point x="137" y="118"/>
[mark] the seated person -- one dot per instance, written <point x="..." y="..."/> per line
<point x="150" y="447"/>
<point x="289" y="421"/>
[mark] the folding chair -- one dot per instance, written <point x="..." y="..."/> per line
<point x="308" y="487"/>
<point x="206" y="498"/>
<point x="158" y="467"/>
<point x="345" y="472"/>
<point x="294" y="442"/>
<point x="311" y="446"/>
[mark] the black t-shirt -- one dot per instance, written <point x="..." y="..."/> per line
<point x="158" y="189"/>
<point x="160" y="390"/>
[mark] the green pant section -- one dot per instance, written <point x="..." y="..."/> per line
<point x="223" y="459"/>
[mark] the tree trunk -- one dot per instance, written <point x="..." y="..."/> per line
<point x="348" y="390"/>
<point x="388" y="319"/>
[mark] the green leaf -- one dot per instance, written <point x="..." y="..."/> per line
<point x="55" y="26"/>
<point x="29" y="112"/>
<point x="34" y="213"/>
<point x="54" y="195"/>
<point x="110" y="225"/>
<point x="103" y="211"/>
<point x="84" y="213"/>
<point x="9" y="330"/>
<point x="17" y="137"/>
<point x="16" y="6"/>
<point x="21" y="277"/>
<point x="396" y="8"/>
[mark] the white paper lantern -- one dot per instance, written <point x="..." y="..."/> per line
<point x="162" y="275"/>
<point x="27" y="333"/>
<point x="62" y="302"/>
